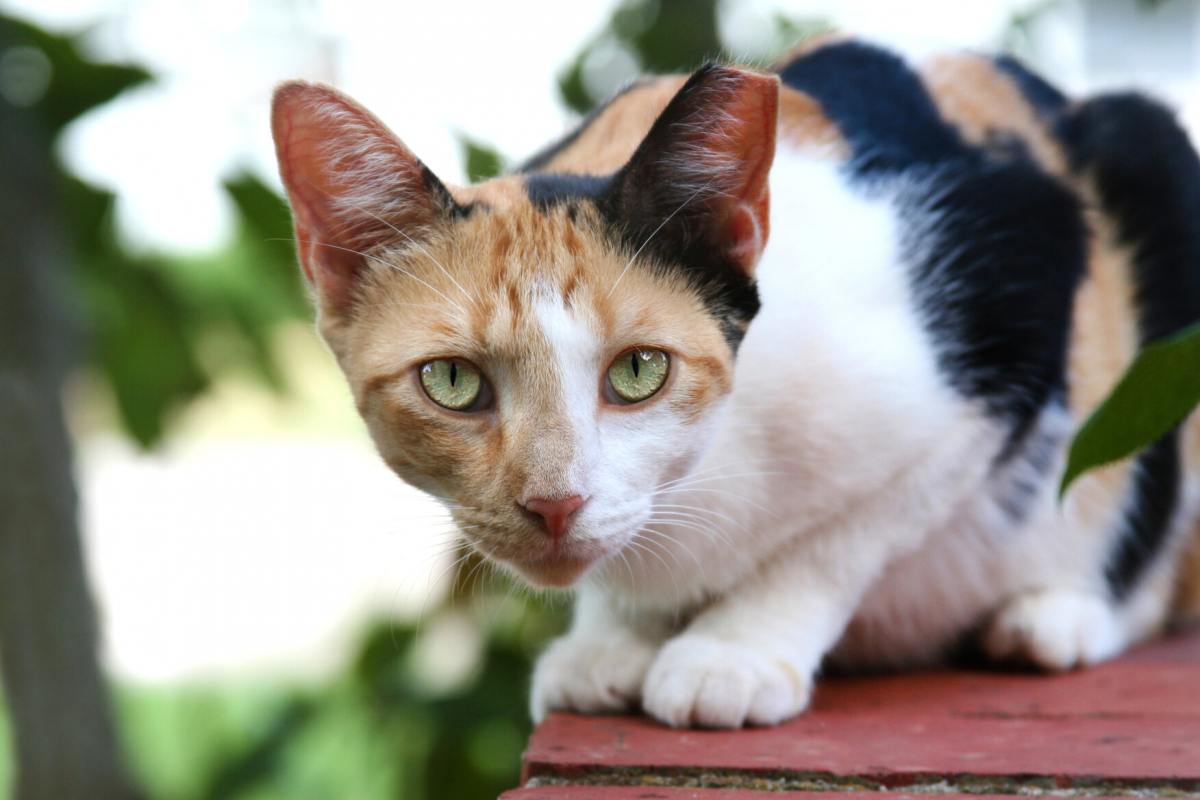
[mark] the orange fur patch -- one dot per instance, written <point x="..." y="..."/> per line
<point x="1104" y="340"/>
<point x="802" y="123"/>
<point x="978" y="99"/>
<point x="610" y="139"/>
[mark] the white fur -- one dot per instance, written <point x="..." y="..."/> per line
<point x="848" y="485"/>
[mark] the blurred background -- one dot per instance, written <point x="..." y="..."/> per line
<point x="275" y="614"/>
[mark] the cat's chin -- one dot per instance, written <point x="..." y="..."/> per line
<point x="554" y="572"/>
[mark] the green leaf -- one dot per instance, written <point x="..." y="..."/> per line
<point x="1157" y="392"/>
<point x="483" y="162"/>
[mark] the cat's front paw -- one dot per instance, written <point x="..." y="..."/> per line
<point x="708" y="682"/>
<point x="1055" y="630"/>
<point x="591" y="674"/>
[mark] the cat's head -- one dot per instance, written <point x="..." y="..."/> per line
<point x="541" y="351"/>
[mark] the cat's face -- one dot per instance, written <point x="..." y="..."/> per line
<point x="541" y="352"/>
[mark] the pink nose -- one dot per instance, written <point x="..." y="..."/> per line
<point x="555" y="514"/>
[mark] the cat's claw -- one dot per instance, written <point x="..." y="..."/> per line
<point x="1055" y="630"/>
<point x="708" y="682"/>
<point x="593" y="675"/>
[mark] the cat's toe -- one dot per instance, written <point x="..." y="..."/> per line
<point x="1055" y="630"/>
<point x="707" y="682"/>
<point x="590" y="675"/>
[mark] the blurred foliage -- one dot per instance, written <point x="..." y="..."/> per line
<point x="390" y="726"/>
<point x="659" y="36"/>
<point x="395" y="723"/>
<point x="156" y="328"/>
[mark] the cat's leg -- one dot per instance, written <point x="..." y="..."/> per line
<point x="598" y="666"/>
<point x="1065" y="627"/>
<point x="751" y="656"/>
<point x="1056" y="629"/>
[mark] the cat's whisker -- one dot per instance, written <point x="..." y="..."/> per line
<point x="699" y="509"/>
<point x="746" y="462"/>
<point x="710" y="533"/>
<point x="682" y="485"/>
<point x="642" y="544"/>
<point x="431" y="584"/>
<point x="725" y="493"/>
<point x="654" y="233"/>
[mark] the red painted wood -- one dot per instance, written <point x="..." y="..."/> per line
<point x="665" y="793"/>
<point x="1134" y="720"/>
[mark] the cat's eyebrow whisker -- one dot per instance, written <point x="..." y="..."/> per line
<point x="654" y="233"/>
<point x="389" y="265"/>
<point x="413" y="242"/>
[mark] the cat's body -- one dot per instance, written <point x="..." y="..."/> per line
<point x="960" y="265"/>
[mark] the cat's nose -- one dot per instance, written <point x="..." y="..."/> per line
<point x="554" y="514"/>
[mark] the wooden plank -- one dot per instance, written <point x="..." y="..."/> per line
<point x="1129" y="724"/>
<point x="671" y="793"/>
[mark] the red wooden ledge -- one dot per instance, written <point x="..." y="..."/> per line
<point x="1129" y="727"/>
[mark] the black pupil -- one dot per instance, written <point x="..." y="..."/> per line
<point x="453" y="373"/>
<point x="633" y="360"/>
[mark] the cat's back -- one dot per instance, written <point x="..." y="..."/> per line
<point x="841" y="98"/>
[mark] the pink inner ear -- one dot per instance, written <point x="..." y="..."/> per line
<point x="749" y="140"/>
<point x="741" y="142"/>
<point x="351" y="183"/>
<point x="746" y="233"/>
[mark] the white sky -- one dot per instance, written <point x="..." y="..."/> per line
<point x="180" y="542"/>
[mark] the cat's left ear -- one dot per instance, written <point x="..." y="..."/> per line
<point x="699" y="178"/>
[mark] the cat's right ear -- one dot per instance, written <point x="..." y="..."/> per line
<point x="352" y="186"/>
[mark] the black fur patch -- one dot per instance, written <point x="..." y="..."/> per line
<point x="879" y="105"/>
<point x="553" y="189"/>
<point x="443" y="197"/>
<point x="1148" y="515"/>
<point x="1148" y="179"/>
<point x="994" y="246"/>
<point x="995" y="252"/>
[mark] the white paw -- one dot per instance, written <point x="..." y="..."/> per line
<point x="589" y="674"/>
<point x="1055" y="630"/>
<point x="708" y="682"/>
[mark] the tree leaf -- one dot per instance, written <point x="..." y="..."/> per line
<point x="483" y="162"/>
<point x="1157" y="392"/>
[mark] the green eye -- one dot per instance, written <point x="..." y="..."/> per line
<point x="453" y="384"/>
<point x="637" y="374"/>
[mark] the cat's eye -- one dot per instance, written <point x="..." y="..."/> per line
<point x="454" y="384"/>
<point x="637" y="374"/>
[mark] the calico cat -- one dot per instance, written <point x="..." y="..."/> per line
<point x="759" y="432"/>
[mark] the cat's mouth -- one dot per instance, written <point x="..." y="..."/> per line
<point x="559" y="565"/>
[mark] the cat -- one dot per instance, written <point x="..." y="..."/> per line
<point x="777" y="369"/>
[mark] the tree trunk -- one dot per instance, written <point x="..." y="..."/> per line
<point x="64" y="738"/>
